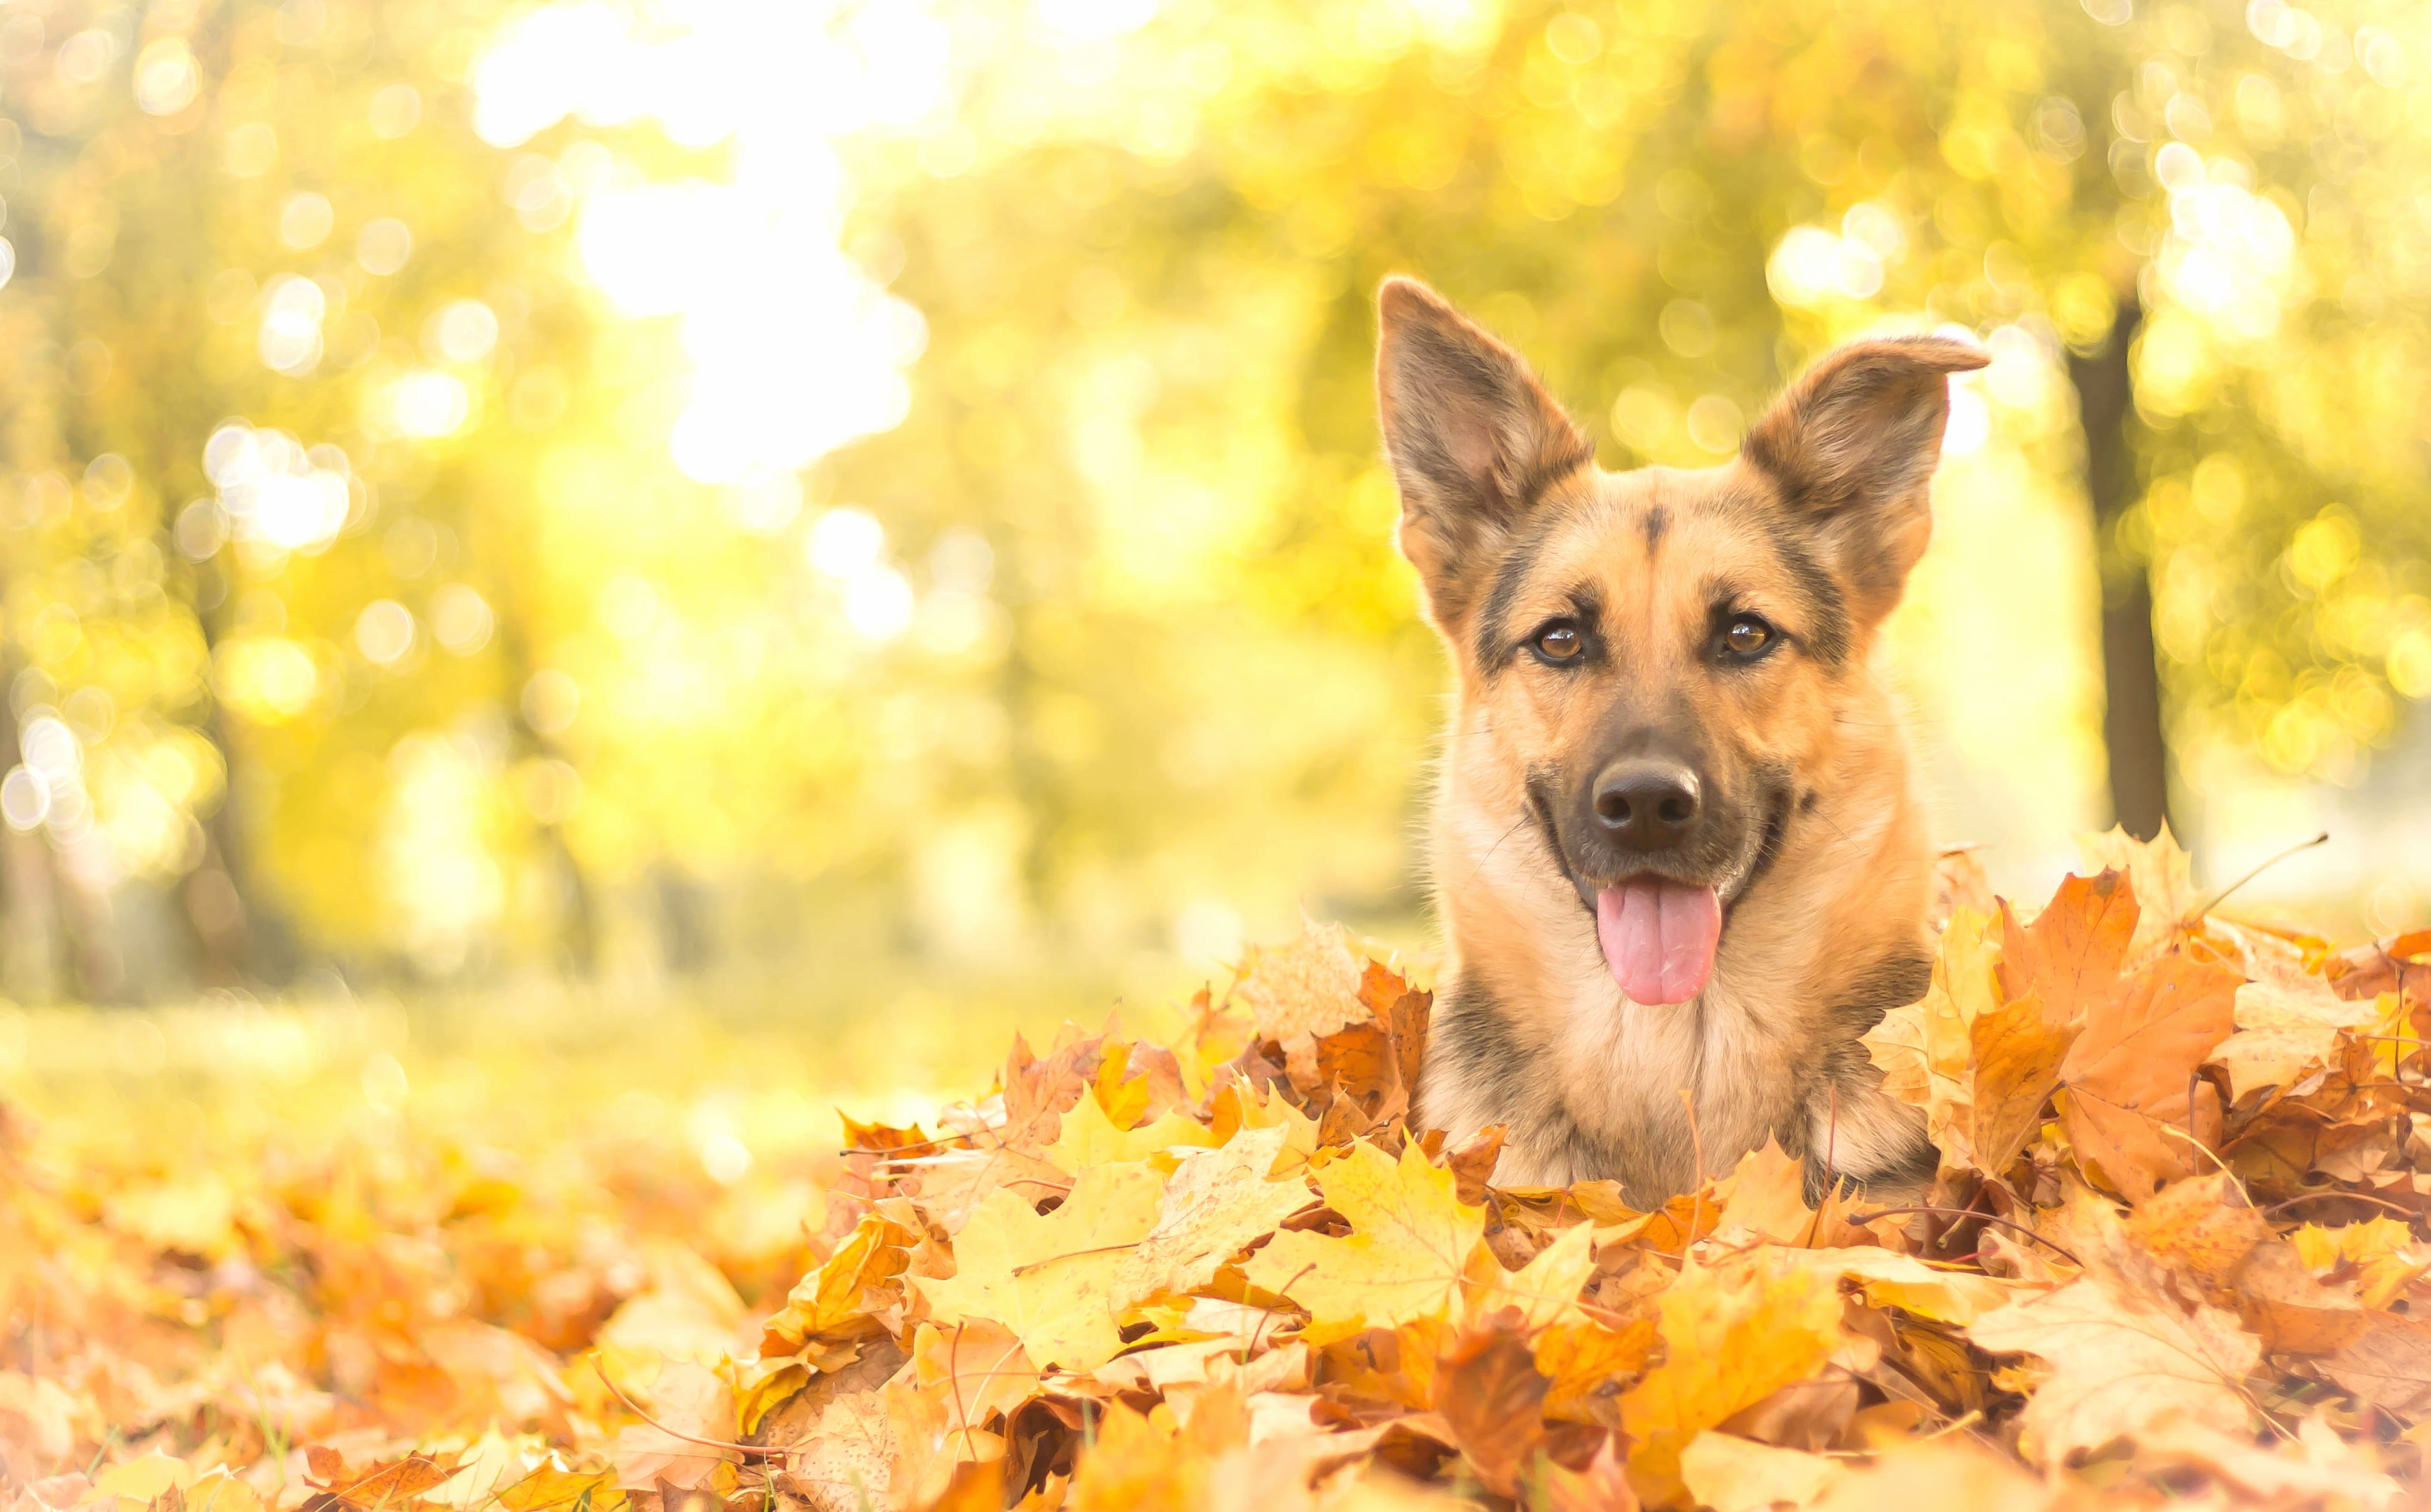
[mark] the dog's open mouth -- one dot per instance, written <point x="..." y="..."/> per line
<point x="1659" y="937"/>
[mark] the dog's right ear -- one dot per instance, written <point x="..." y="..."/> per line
<point x="1473" y="437"/>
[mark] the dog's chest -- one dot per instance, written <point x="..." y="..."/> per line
<point x="1622" y="1069"/>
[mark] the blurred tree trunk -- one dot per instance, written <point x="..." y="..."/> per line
<point x="2132" y="728"/>
<point x="577" y="924"/>
<point x="30" y="885"/>
<point x="238" y="936"/>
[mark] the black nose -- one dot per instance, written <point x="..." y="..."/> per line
<point x="1646" y="805"/>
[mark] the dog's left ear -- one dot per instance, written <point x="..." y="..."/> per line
<point x="1852" y="446"/>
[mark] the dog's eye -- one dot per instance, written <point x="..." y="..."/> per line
<point x="1560" y="643"/>
<point x="1747" y="636"/>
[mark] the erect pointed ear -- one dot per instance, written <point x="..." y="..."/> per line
<point x="1474" y="440"/>
<point x="1852" y="446"/>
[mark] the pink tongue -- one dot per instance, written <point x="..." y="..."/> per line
<point x="1658" y="938"/>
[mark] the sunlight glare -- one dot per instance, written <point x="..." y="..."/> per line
<point x="795" y="350"/>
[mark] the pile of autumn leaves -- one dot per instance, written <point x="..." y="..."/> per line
<point x="2169" y="1257"/>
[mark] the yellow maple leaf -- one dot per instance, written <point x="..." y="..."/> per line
<point x="1546" y="1289"/>
<point x="1927" y="1049"/>
<point x="1217" y="1202"/>
<point x="1583" y="1358"/>
<point x="1153" y="1461"/>
<point x="1052" y="1280"/>
<point x="2382" y="1248"/>
<point x="2018" y="1050"/>
<point x="1732" y="1474"/>
<point x="1891" y="1279"/>
<point x="841" y="1294"/>
<point x="1090" y="1137"/>
<point x="1735" y="1334"/>
<point x="1410" y="1239"/>
<point x="1768" y="1196"/>
<point x="1239" y="1106"/>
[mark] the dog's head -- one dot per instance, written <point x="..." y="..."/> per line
<point x="1661" y="657"/>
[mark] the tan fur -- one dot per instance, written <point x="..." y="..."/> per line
<point x="1815" y="527"/>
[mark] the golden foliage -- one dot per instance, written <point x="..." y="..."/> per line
<point x="1269" y="1300"/>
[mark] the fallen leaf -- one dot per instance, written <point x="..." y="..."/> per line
<point x="1587" y="1361"/>
<point x="2287" y="1019"/>
<point x="687" y="1400"/>
<point x="1767" y="1198"/>
<point x="1601" y="1486"/>
<point x="2389" y="1366"/>
<point x="2126" y="1354"/>
<point x="977" y="1367"/>
<point x="2204" y="1225"/>
<point x="1090" y="1136"/>
<point x="1732" y="1474"/>
<point x="1303" y="990"/>
<point x="2131" y="1074"/>
<point x="1889" y="1279"/>
<point x="1052" y="1280"/>
<point x="2162" y="875"/>
<point x="1542" y="1292"/>
<point x="1944" y="1473"/>
<point x="2318" y="1470"/>
<point x="846" y="1463"/>
<point x="1734" y="1334"/>
<point x="1410" y="1241"/>
<point x="839" y="1295"/>
<point x="1488" y="1389"/>
<point x="2019" y="1049"/>
<point x="1217" y="1203"/>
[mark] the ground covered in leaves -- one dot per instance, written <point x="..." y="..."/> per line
<point x="2173" y="1256"/>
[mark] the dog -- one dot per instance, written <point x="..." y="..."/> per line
<point x="1673" y="845"/>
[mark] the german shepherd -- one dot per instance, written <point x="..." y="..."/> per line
<point x="1673" y="848"/>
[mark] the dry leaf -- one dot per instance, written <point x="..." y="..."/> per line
<point x="2074" y="952"/>
<point x="1732" y="1474"/>
<point x="1489" y="1390"/>
<point x="1052" y="1280"/>
<point x="1733" y="1334"/>
<point x="2287" y="1019"/>
<point x="2131" y="1074"/>
<point x="2126" y="1354"/>
<point x="2389" y="1366"/>
<point x="692" y="1401"/>
<point x="845" y="1461"/>
<point x="1217" y="1203"/>
<point x="1304" y="990"/>
<point x="2019" y="1049"/>
<point x="2162" y="875"/>
<point x="839" y="1295"/>
<point x="1410" y="1241"/>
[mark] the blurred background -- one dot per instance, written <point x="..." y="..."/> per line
<point x="871" y="508"/>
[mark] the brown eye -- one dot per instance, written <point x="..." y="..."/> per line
<point x="1747" y="636"/>
<point x="1561" y="642"/>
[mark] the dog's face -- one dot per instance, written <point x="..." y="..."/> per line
<point x="1661" y="657"/>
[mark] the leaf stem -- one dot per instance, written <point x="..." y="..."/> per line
<point x="2353" y="1197"/>
<point x="761" y="1451"/>
<point x="1970" y="1213"/>
<point x="2221" y="897"/>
